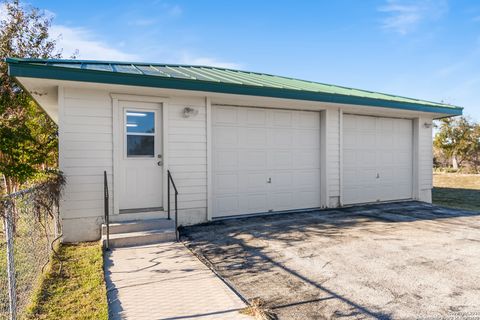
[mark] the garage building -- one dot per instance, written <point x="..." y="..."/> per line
<point x="236" y="143"/>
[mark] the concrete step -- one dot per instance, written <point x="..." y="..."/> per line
<point x="138" y="225"/>
<point x="140" y="238"/>
<point x="121" y="217"/>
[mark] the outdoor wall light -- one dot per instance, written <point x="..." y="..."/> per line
<point x="189" y="112"/>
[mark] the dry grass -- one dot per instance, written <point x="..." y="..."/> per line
<point x="457" y="190"/>
<point x="258" y="310"/>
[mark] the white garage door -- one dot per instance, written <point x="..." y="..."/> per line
<point x="377" y="159"/>
<point x="264" y="160"/>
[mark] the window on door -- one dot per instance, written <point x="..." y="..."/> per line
<point x="140" y="134"/>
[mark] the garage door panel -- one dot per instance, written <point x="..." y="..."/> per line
<point x="225" y="115"/>
<point x="306" y="120"/>
<point x="306" y="159"/>
<point x="401" y="158"/>
<point x="252" y="137"/>
<point x="386" y="157"/>
<point x="377" y="159"/>
<point x="283" y="145"/>
<point x="226" y="137"/>
<point x="402" y="175"/>
<point x="349" y="177"/>
<point x="281" y="200"/>
<point x="366" y="176"/>
<point x="349" y="140"/>
<point x="226" y="183"/>
<point x="306" y="139"/>
<point x="280" y="159"/>
<point x="350" y="157"/>
<point x="227" y="205"/>
<point x="281" y="181"/>
<point x="385" y="125"/>
<point x="403" y="141"/>
<point x="365" y="124"/>
<point x="366" y="140"/>
<point x="252" y="159"/>
<point x="280" y="138"/>
<point x="253" y="202"/>
<point x="282" y="118"/>
<point x="309" y="179"/>
<point x="226" y="160"/>
<point x="386" y="174"/>
<point x="385" y="140"/>
<point x="366" y="157"/>
<point x="256" y="117"/>
<point x="252" y="181"/>
<point x="306" y="199"/>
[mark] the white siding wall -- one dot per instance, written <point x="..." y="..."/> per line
<point x="187" y="159"/>
<point x="425" y="160"/>
<point x="85" y="152"/>
<point x="333" y="156"/>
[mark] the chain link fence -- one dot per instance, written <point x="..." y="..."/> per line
<point x="30" y="228"/>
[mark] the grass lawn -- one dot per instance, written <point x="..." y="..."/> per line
<point x="79" y="292"/>
<point x="457" y="190"/>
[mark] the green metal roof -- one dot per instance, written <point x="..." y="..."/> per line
<point x="213" y="79"/>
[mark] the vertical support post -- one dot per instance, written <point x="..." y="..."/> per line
<point x="168" y="194"/>
<point x="176" y="214"/>
<point x="12" y="295"/>
<point x="106" y="209"/>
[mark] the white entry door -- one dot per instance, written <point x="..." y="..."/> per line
<point x="377" y="159"/>
<point x="264" y="160"/>
<point x="140" y="162"/>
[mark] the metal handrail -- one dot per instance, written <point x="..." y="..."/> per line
<point x="106" y="209"/>
<point x="170" y="181"/>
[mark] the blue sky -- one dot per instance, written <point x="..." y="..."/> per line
<point x="428" y="49"/>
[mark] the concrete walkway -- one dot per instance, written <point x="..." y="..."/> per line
<point x="166" y="281"/>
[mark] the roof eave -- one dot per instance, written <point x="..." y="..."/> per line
<point x="18" y="69"/>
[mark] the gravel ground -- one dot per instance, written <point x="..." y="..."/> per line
<point x="388" y="261"/>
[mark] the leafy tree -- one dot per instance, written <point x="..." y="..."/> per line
<point x="28" y="137"/>
<point x="458" y="140"/>
<point x="475" y="153"/>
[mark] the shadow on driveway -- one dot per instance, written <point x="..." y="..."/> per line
<point x="375" y="261"/>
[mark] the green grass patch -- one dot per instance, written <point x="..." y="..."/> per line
<point x="78" y="292"/>
<point x="460" y="191"/>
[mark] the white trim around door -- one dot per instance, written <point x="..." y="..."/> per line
<point x="117" y="138"/>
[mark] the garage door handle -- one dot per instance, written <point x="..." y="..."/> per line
<point x="269" y="180"/>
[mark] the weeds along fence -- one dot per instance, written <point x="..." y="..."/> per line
<point x="30" y="231"/>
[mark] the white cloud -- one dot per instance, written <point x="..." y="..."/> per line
<point x="175" y="10"/>
<point x="88" y="45"/>
<point x="208" y="61"/>
<point x="404" y="17"/>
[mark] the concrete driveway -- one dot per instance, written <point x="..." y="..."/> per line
<point x="401" y="260"/>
